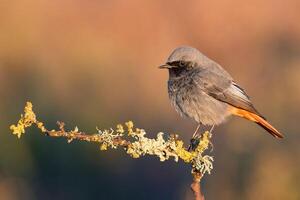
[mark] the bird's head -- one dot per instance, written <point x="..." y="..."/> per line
<point x="182" y="60"/>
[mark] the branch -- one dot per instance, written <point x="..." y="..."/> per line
<point x="133" y="141"/>
<point x="196" y="186"/>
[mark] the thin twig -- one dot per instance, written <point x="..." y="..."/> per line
<point x="82" y="136"/>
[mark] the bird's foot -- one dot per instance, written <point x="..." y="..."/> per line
<point x="194" y="142"/>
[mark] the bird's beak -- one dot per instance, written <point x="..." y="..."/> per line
<point x="165" y="66"/>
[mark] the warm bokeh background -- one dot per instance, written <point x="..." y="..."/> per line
<point x="94" y="63"/>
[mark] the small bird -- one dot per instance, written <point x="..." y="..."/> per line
<point x="202" y="90"/>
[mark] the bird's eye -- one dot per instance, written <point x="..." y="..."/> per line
<point x="181" y="64"/>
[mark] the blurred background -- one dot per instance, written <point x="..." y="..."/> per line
<point x="94" y="63"/>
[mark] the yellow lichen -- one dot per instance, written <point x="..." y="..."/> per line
<point x="136" y="145"/>
<point x="182" y="153"/>
<point x="129" y="125"/>
<point x="120" y="128"/>
<point x="26" y="120"/>
<point x="103" y="147"/>
<point x="204" y="142"/>
<point x="40" y="125"/>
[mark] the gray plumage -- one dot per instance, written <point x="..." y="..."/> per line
<point x="202" y="90"/>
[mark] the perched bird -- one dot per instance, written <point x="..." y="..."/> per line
<point x="202" y="90"/>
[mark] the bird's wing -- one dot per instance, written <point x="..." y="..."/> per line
<point x="221" y="87"/>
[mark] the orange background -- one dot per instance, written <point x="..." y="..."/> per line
<point x="94" y="63"/>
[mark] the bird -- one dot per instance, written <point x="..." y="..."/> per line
<point x="201" y="90"/>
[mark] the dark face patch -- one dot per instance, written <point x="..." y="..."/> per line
<point x="179" y="67"/>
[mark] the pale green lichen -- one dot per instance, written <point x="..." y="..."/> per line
<point x="159" y="147"/>
<point x="203" y="163"/>
<point x="164" y="149"/>
<point x="132" y="139"/>
<point x="108" y="137"/>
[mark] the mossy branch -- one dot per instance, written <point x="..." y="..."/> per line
<point x="133" y="141"/>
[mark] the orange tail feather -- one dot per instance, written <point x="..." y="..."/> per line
<point x="257" y="119"/>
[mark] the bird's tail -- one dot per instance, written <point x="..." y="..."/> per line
<point x="257" y="119"/>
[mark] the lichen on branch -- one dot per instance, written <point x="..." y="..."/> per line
<point x="132" y="140"/>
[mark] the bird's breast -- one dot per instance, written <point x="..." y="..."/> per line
<point x="191" y="101"/>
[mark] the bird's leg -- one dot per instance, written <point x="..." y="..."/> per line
<point x="195" y="139"/>
<point x="212" y="128"/>
<point x="196" y="131"/>
<point x="210" y="131"/>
